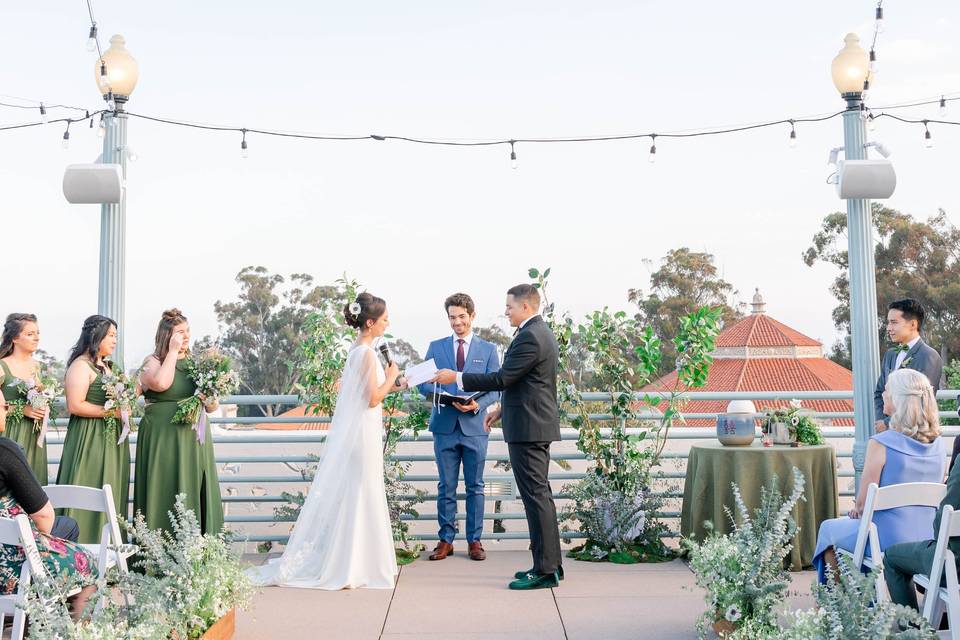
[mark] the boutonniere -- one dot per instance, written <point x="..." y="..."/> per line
<point x="906" y="361"/>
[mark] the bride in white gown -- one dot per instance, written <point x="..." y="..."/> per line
<point x="343" y="538"/>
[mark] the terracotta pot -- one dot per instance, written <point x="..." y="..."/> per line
<point x="222" y="629"/>
<point x="723" y="627"/>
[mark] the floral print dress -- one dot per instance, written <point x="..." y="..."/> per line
<point x="62" y="558"/>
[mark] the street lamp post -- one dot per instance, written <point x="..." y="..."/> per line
<point x="850" y="70"/>
<point x="116" y="74"/>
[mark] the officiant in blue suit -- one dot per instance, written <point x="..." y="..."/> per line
<point x="459" y="437"/>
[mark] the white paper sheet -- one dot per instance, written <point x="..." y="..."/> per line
<point x="420" y="373"/>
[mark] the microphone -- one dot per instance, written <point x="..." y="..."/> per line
<point x="385" y="352"/>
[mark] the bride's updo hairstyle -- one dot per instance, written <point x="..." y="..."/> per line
<point x="366" y="307"/>
<point x="915" y="410"/>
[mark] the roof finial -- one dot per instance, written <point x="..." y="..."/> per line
<point x="759" y="306"/>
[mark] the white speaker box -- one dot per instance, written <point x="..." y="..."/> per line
<point x="93" y="183"/>
<point x="874" y="179"/>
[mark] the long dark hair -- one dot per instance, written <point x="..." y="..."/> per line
<point x="168" y="322"/>
<point x="12" y="329"/>
<point x="95" y="329"/>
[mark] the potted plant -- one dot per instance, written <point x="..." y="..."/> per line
<point x="742" y="573"/>
<point x="791" y="424"/>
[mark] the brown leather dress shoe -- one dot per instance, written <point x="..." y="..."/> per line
<point x="477" y="552"/>
<point x="442" y="550"/>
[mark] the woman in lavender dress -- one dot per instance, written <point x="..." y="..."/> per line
<point x="911" y="450"/>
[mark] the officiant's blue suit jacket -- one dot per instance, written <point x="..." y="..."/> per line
<point x="481" y="357"/>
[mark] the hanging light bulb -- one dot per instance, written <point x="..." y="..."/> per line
<point x="927" y="138"/>
<point x="513" y="156"/>
<point x="101" y="128"/>
<point x="104" y="79"/>
<point x="652" y="157"/>
<point x="43" y="114"/>
<point x="871" y="122"/>
<point x="92" y="38"/>
<point x="243" y="145"/>
<point x="66" y="137"/>
<point x="879" y="16"/>
<point x="87" y="116"/>
<point x="943" y="107"/>
<point x="873" y="62"/>
<point x="793" y="136"/>
<point x="111" y="103"/>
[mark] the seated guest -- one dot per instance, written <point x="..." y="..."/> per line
<point x="902" y="561"/>
<point x="909" y="451"/>
<point x="20" y="492"/>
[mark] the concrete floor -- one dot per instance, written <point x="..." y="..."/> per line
<point x="458" y="598"/>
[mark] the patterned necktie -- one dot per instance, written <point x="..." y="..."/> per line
<point x="460" y="357"/>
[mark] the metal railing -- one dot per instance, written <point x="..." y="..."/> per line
<point x="500" y="484"/>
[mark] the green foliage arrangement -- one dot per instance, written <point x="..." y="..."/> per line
<point x="742" y="573"/>
<point x="615" y="504"/>
<point x="187" y="581"/>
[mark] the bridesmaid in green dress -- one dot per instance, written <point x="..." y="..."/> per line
<point x="170" y="460"/>
<point x="91" y="455"/>
<point x="21" y="339"/>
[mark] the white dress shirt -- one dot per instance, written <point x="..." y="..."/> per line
<point x="903" y="354"/>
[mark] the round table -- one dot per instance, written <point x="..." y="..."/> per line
<point x="712" y="469"/>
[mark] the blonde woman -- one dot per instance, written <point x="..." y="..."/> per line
<point x="911" y="450"/>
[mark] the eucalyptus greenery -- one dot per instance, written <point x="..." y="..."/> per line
<point x="615" y="504"/>
<point x="187" y="581"/>
<point x="742" y="573"/>
<point x="847" y="610"/>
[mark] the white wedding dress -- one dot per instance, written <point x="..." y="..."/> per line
<point x="342" y="538"/>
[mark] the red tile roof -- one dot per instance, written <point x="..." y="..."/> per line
<point x="761" y="330"/>
<point x="768" y="374"/>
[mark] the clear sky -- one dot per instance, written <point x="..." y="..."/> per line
<point x="415" y="223"/>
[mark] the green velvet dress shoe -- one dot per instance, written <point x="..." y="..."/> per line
<point x="520" y="574"/>
<point x="532" y="581"/>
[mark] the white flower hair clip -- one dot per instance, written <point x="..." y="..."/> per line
<point x="355" y="309"/>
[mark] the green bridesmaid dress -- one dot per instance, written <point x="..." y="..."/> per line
<point x="92" y="458"/>
<point x="22" y="431"/>
<point x="170" y="460"/>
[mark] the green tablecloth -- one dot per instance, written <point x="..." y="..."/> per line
<point x="712" y="468"/>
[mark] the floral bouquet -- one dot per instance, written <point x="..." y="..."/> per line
<point x="121" y="391"/>
<point x="214" y="378"/>
<point x="803" y="429"/>
<point x="40" y="392"/>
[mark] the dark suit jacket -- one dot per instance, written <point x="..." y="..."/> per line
<point x="953" y="499"/>
<point x="528" y="380"/>
<point x="922" y="357"/>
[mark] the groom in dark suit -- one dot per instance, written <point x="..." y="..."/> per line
<point x="528" y="380"/>
<point x="904" y="322"/>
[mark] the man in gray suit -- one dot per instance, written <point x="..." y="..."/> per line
<point x="904" y="321"/>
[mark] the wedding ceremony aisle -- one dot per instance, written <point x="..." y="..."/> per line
<point x="464" y="599"/>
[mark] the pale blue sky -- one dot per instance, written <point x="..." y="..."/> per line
<point x="415" y="223"/>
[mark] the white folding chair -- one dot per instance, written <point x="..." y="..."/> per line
<point x="64" y="496"/>
<point x="944" y="564"/>
<point x="16" y="532"/>
<point x="893" y="496"/>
